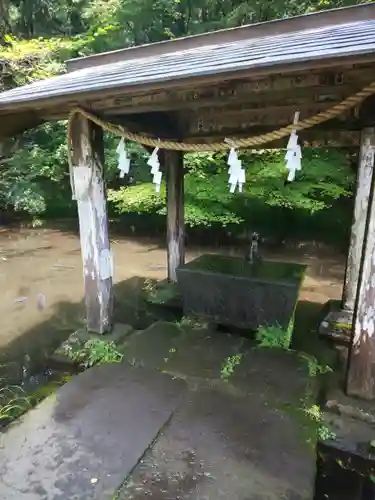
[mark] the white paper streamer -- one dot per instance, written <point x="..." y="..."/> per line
<point x="236" y="173"/>
<point x="154" y="163"/>
<point x="293" y="154"/>
<point x="123" y="159"/>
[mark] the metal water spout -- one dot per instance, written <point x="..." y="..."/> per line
<point x="252" y="254"/>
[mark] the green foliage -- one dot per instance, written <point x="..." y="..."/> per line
<point x="13" y="403"/>
<point x="24" y="61"/>
<point x="143" y="21"/>
<point x="31" y="171"/>
<point x="326" y="177"/>
<point x="316" y="415"/>
<point x="96" y="352"/>
<point x="138" y="199"/>
<point x="272" y="336"/>
<point x="203" y="204"/>
<point x="314" y="367"/>
<point x="229" y="365"/>
<point x="41" y="34"/>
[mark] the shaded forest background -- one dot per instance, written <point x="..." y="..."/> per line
<point x="37" y="36"/>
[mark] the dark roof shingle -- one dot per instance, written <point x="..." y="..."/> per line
<point x="354" y="38"/>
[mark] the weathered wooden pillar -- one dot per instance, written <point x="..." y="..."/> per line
<point x="174" y="165"/>
<point x="361" y="364"/>
<point x="364" y="176"/>
<point x="89" y="191"/>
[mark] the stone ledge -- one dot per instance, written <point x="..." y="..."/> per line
<point x="337" y="323"/>
<point x="353" y="423"/>
<point x="77" y="339"/>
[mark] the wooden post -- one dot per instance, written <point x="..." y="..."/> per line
<point x="364" y="176"/>
<point x="174" y="163"/>
<point x="360" y="380"/>
<point x="89" y="190"/>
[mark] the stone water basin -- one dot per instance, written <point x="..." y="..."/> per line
<point x="231" y="291"/>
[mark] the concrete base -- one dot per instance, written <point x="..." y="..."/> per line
<point x="353" y="424"/>
<point x="337" y="323"/>
<point x="76" y="340"/>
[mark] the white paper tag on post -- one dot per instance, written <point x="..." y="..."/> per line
<point x="106" y="264"/>
<point x="82" y="178"/>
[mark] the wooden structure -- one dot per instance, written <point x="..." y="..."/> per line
<point x="230" y="83"/>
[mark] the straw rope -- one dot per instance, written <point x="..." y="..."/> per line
<point x="336" y="110"/>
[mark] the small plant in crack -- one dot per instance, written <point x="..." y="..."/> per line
<point x="316" y="415"/>
<point x="96" y="352"/>
<point x="229" y="365"/>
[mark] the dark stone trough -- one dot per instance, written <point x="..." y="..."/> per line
<point x="231" y="291"/>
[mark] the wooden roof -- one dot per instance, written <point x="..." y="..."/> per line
<point x="240" y="81"/>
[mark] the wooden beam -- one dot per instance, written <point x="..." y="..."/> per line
<point x="89" y="190"/>
<point x="302" y="87"/>
<point x="360" y="379"/>
<point x="223" y="120"/>
<point x="270" y="91"/>
<point x="157" y="124"/>
<point x="12" y="125"/>
<point x="174" y="165"/>
<point x="48" y="106"/>
<point x="364" y="176"/>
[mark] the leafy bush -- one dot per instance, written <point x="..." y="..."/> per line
<point x="266" y="204"/>
<point x="272" y="336"/>
<point x="202" y="208"/>
<point x="96" y="352"/>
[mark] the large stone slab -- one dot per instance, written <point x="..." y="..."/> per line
<point x="83" y="442"/>
<point x="202" y="353"/>
<point x="152" y="347"/>
<point x="220" y="446"/>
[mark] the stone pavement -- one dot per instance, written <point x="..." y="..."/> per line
<point x="83" y="441"/>
<point x="131" y="432"/>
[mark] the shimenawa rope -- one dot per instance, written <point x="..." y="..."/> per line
<point x="336" y="110"/>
